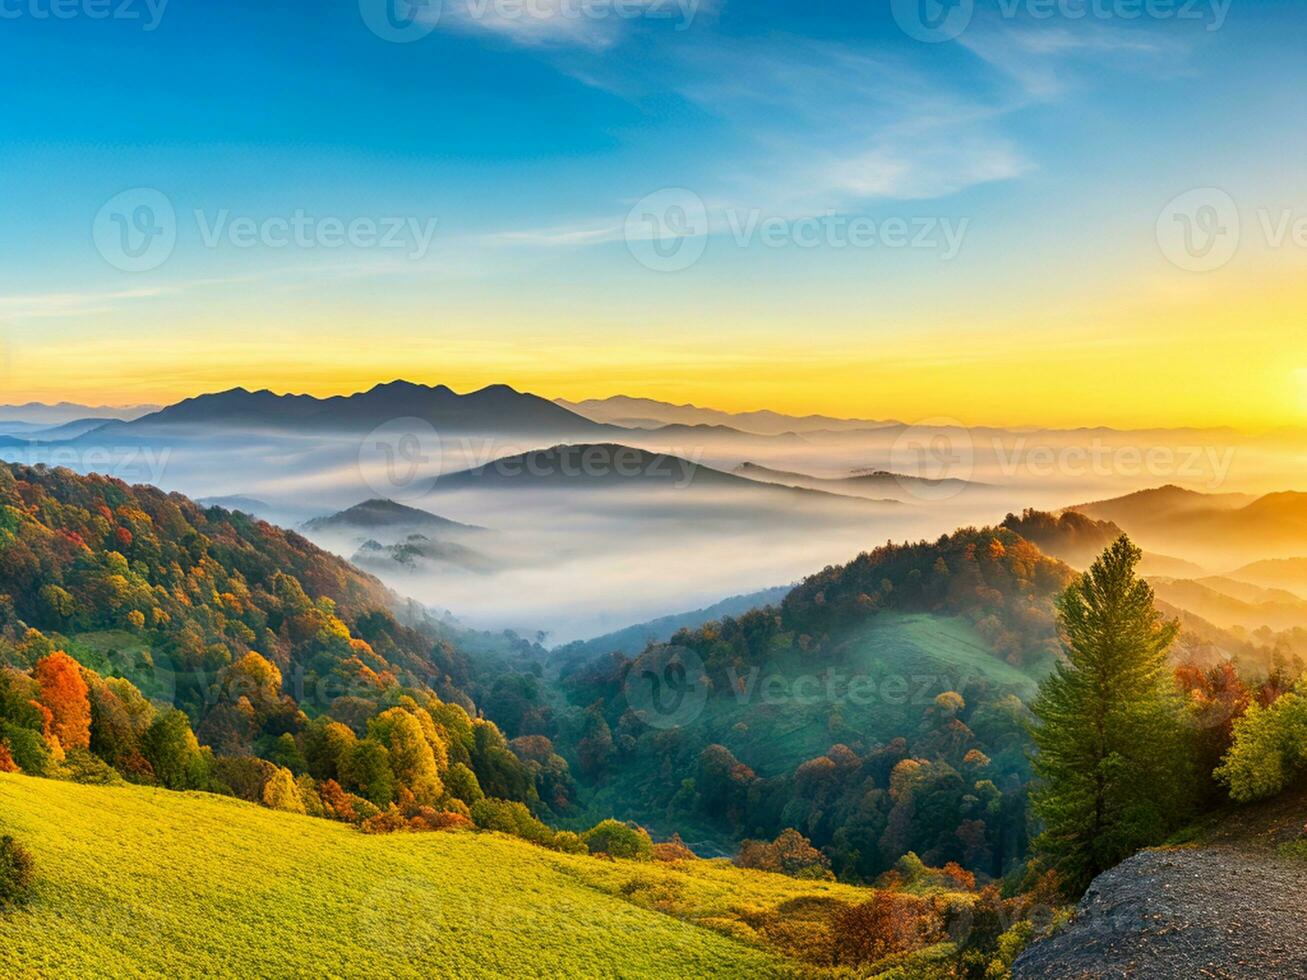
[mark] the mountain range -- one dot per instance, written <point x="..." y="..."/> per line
<point x="1218" y="530"/>
<point x="494" y="409"/>
<point x="40" y="415"/>
<point x="647" y="413"/>
<point x="875" y="485"/>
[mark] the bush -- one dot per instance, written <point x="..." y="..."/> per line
<point x="28" y="749"/>
<point x="461" y="783"/>
<point x="281" y="793"/>
<point x="789" y="854"/>
<point x="509" y="817"/>
<point x="673" y="850"/>
<point x="386" y="822"/>
<point x="1270" y="747"/>
<point x="82" y="766"/>
<point x="17" y="872"/>
<point x="569" y="843"/>
<point x="428" y="819"/>
<point x="889" y="924"/>
<point x="619" y="840"/>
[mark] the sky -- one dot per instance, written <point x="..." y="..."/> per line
<point x="999" y="211"/>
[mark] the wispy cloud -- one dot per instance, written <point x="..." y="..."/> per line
<point x="594" y="25"/>
<point x="29" y="306"/>
<point x="598" y="232"/>
<point x="1049" y="59"/>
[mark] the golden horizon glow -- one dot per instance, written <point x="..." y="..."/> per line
<point x="1204" y="356"/>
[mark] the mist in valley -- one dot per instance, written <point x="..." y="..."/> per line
<point x="576" y="545"/>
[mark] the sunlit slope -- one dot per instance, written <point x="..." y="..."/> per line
<point x="886" y="674"/>
<point x="137" y="881"/>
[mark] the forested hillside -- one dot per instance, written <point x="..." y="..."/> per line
<point x="144" y="637"/>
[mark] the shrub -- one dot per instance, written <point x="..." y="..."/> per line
<point x="790" y="854"/>
<point x="1270" y="747"/>
<point x="281" y="793"/>
<point x="461" y="783"/>
<point x="345" y="807"/>
<point x="245" y="775"/>
<point x="28" y="749"/>
<point x="433" y="820"/>
<point x="889" y="924"/>
<point x="17" y="872"/>
<point x="509" y="817"/>
<point x="569" y="843"/>
<point x="386" y="822"/>
<point x="7" y="763"/>
<point x="619" y="840"/>
<point x="673" y="850"/>
<point x="82" y="766"/>
<point x="308" y="789"/>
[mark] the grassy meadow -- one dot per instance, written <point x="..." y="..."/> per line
<point x="135" y="881"/>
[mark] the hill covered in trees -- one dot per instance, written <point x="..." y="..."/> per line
<point x="146" y="638"/>
<point x="878" y="709"/>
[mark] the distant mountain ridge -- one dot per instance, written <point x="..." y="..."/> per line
<point x="865" y="483"/>
<point x="1226" y="527"/>
<point x="41" y="414"/>
<point x="651" y="413"/>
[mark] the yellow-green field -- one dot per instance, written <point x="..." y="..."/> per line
<point x="135" y="881"/>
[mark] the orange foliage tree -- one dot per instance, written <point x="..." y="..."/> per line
<point x="65" y="694"/>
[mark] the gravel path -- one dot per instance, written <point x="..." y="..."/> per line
<point x="1215" y="912"/>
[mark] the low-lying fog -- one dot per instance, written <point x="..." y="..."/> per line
<point x="575" y="549"/>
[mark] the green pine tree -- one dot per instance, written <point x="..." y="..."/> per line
<point x="1112" y="759"/>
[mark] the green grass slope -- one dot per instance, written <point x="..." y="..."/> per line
<point x="135" y="881"/>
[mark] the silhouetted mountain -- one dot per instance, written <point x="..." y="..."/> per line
<point x="374" y="516"/>
<point x="610" y="465"/>
<point x="1161" y="503"/>
<point x="1215" y="528"/>
<point x="492" y="410"/>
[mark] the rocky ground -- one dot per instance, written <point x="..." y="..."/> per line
<point x="1232" y="906"/>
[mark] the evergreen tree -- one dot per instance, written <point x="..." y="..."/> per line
<point x="1112" y="757"/>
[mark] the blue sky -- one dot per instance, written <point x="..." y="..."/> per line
<point x="529" y="139"/>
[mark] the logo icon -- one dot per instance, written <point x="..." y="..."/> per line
<point x="933" y="459"/>
<point x="136" y="231"/>
<point x="667" y="231"/>
<point x="933" y="21"/>
<point x="667" y="687"/>
<point x="400" y="460"/>
<point x="1200" y="231"/>
<point x="401" y="21"/>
